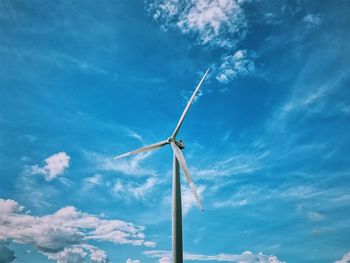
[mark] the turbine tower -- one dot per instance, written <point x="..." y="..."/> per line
<point x="178" y="160"/>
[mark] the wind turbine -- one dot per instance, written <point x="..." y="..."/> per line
<point x="178" y="160"/>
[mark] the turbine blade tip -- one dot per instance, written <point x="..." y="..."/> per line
<point x="120" y="156"/>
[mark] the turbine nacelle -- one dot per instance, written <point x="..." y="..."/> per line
<point x="180" y="144"/>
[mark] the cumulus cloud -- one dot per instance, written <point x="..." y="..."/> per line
<point x="240" y="63"/>
<point x="66" y="233"/>
<point x="245" y="257"/>
<point x="78" y="254"/>
<point x="344" y="259"/>
<point x="10" y="207"/>
<point x="214" y="23"/>
<point x="55" y="166"/>
<point x="219" y="23"/>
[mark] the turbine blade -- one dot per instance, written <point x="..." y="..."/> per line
<point x="143" y="149"/>
<point x="180" y="157"/>
<point x="188" y="105"/>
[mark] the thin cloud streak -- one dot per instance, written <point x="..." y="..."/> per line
<point x="129" y="166"/>
<point x="139" y="191"/>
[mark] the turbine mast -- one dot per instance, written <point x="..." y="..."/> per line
<point x="178" y="160"/>
<point x="176" y="215"/>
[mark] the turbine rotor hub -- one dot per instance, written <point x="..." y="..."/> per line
<point x="171" y="139"/>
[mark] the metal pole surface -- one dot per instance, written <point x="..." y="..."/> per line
<point x="176" y="215"/>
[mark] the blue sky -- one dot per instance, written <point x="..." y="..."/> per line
<point x="267" y="141"/>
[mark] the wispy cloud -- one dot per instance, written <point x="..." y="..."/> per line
<point x="94" y="180"/>
<point x="314" y="216"/>
<point x="138" y="191"/>
<point x="188" y="200"/>
<point x="64" y="60"/>
<point x="312" y="203"/>
<point x="247" y="257"/>
<point x="56" y="59"/>
<point x="311" y="97"/>
<point x="231" y="203"/>
<point x="135" y="135"/>
<point x="55" y="166"/>
<point x="130" y="166"/>
<point x="243" y="163"/>
<point x="312" y="19"/>
<point x="65" y="232"/>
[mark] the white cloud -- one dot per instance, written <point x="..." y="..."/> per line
<point x="245" y="257"/>
<point x="344" y="259"/>
<point x="65" y="61"/>
<point x="214" y="23"/>
<point x="129" y="165"/>
<point x="73" y="254"/>
<point x="314" y="216"/>
<point x="240" y="63"/>
<point x="78" y="254"/>
<point x="134" y="135"/>
<point x="243" y="163"/>
<point x="137" y="190"/>
<point x="312" y="19"/>
<point x="132" y="261"/>
<point x="188" y="200"/>
<point x="55" y="166"/>
<point x="231" y="203"/>
<point x="66" y="233"/>
<point x="186" y="95"/>
<point x="312" y="98"/>
<point x="10" y="207"/>
<point x="219" y="23"/>
<point x="141" y="190"/>
<point x="149" y="244"/>
<point x="94" y="180"/>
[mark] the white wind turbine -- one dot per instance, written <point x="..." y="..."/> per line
<point x="179" y="158"/>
